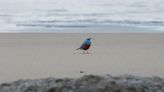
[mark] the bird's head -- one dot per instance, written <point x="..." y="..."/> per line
<point x="89" y="38"/>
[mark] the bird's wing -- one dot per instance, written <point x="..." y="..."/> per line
<point x="82" y="46"/>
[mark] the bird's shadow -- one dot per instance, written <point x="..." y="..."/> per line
<point x="85" y="53"/>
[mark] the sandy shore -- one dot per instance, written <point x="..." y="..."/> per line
<point x="43" y="55"/>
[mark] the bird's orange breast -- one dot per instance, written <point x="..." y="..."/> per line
<point x="86" y="47"/>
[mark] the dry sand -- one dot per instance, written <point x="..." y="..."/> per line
<point x="40" y="55"/>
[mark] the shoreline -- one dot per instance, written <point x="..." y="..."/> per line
<point x="92" y="29"/>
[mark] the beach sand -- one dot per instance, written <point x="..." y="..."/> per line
<point x="41" y="55"/>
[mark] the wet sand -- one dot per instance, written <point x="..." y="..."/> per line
<point x="41" y="55"/>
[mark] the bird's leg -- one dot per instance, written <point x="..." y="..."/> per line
<point x="87" y="52"/>
<point x="83" y="52"/>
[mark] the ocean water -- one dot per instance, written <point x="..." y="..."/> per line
<point x="60" y="15"/>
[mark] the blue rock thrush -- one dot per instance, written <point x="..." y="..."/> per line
<point x="85" y="45"/>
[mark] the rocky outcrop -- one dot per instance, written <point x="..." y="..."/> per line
<point x="87" y="83"/>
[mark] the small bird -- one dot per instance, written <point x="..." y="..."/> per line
<point x="85" y="45"/>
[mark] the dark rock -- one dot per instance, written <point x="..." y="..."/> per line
<point x="5" y="84"/>
<point x="88" y="83"/>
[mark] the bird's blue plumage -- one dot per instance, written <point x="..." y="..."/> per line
<point x="87" y="42"/>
